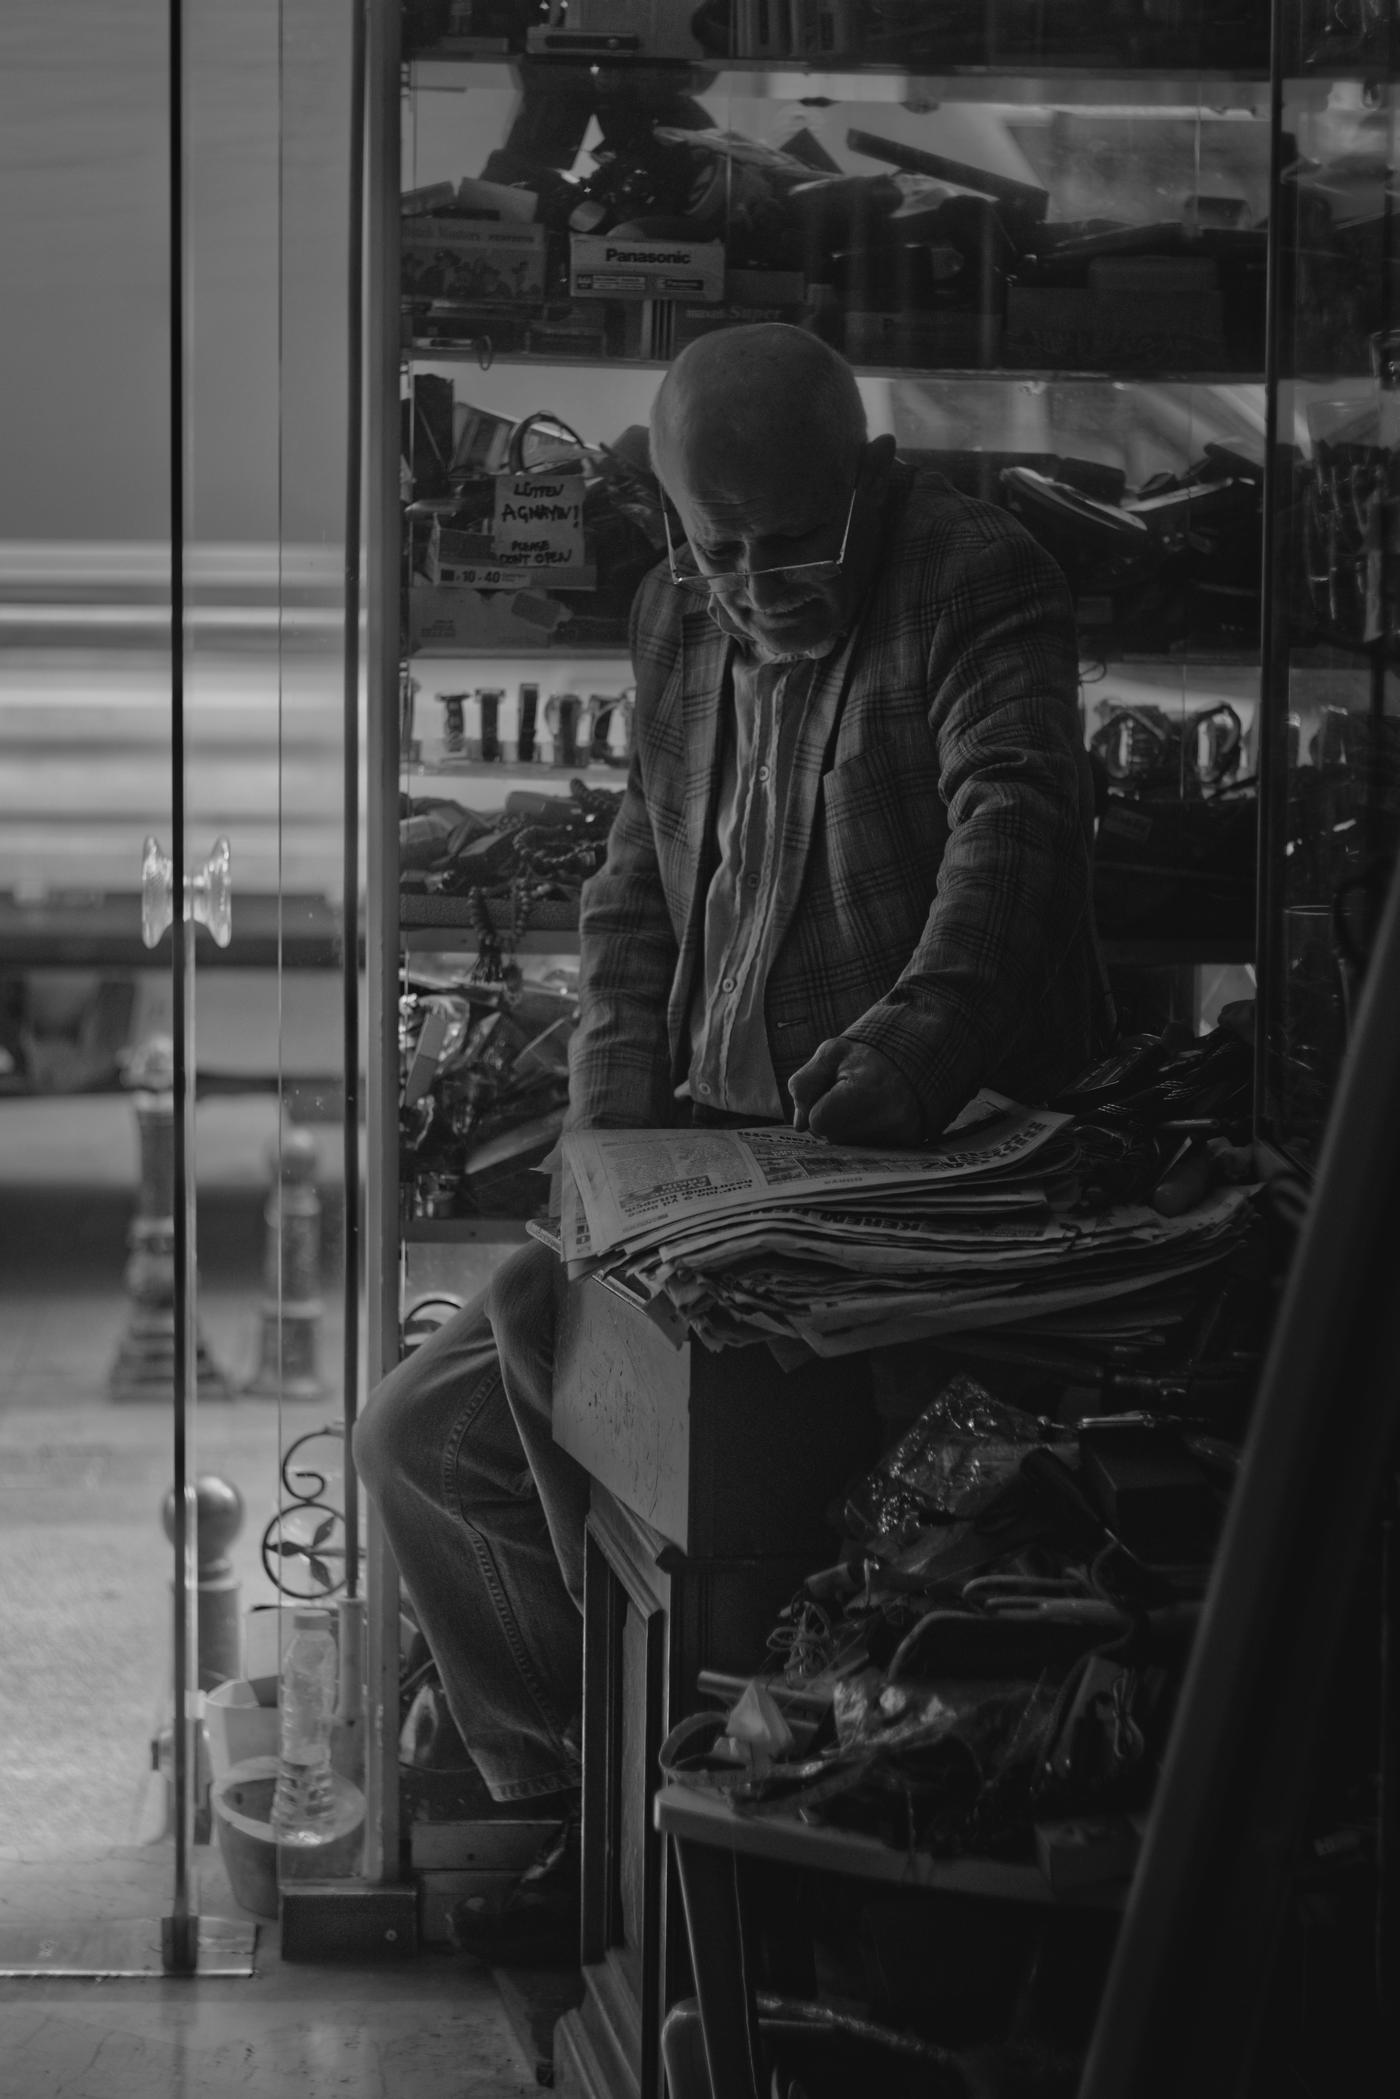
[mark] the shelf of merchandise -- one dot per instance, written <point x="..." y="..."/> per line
<point x="1087" y="87"/>
<point x="447" y="106"/>
<point x="463" y="1231"/>
<point x="1330" y="783"/>
<point x="590" y="652"/>
<point x="441" y="914"/>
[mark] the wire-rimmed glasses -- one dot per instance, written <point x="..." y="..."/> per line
<point x="685" y="572"/>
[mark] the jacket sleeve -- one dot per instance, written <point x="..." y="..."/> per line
<point x="620" y="1056"/>
<point x="1014" y="887"/>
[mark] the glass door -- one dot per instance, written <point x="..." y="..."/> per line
<point x="180" y="905"/>
<point x="315" y="1545"/>
<point x="123" y="1596"/>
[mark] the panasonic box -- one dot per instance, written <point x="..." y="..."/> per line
<point x="603" y="267"/>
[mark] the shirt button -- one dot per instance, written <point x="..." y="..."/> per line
<point x="703" y="1088"/>
<point x="726" y="983"/>
<point x="751" y="881"/>
<point x="764" y="771"/>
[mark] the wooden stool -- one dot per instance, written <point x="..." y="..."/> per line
<point x="712" y="1475"/>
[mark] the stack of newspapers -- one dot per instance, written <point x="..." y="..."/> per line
<point x="772" y="1234"/>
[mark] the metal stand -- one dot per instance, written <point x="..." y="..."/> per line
<point x="144" y="1368"/>
<point x="218" y="1520"/>
<point x="142" y="1949"/>
<point x="292" y="1307"/>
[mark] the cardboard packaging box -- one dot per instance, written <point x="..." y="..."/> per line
<point x="806" y="29"/>
<point x="484" y="260"/>
<point x="603" y="267"/>
<point x="661" y="327"/>
<point x="619" y="28"/>
<point x="469" y="557"/>
<point x="421" y="203"/>
<point x="1155" y="331"/>
<point x="676" y="322"/>
<point x="949" y="341"/>
<point x="1088" y="1851"/>
<point x="454" y="619"/>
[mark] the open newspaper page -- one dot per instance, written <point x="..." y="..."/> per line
<point x="636" y="1185"/>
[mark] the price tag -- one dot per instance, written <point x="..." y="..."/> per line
<point x="539" y="519"/>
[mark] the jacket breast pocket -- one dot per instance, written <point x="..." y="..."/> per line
<point x="883" y="814"/>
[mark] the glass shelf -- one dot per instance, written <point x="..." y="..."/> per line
<point x="440" y="1231"/>
<point x="424" y="354"/>
<point x="1067" y="86"/>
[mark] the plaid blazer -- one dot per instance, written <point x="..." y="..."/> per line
<point x="943" y="813"/>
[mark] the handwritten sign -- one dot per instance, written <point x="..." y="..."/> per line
<point x="539" y="519"/>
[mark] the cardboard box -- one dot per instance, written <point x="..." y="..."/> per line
<point x="946" y="341"/>
<point x="822" y="29"/>
<point x="765" y="288"/>
<point x="603" y="267"/>
<point x="579" y="330"/>
<point x="1089" y="1851"/>
<point x="1143" y="331"/>
<point x="456" y="620"/>
<point x="621" y="28"/>
<point x="683" y="322"/>
<point x="434" y="197"/>
<point x="804" y="29"/>
<point x="762" y="29"/>
<point x="473" y="259"/>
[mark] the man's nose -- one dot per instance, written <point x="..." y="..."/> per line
<point x="769" y="589"/>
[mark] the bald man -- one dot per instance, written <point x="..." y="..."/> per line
<point x="850" y="879"/>
<point x="849" y="884"/>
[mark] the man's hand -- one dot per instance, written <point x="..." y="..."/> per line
<point x="852" y="1093"/>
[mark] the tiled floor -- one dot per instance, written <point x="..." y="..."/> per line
<point x="84" y="1660"/>
<point x="432" y="2028"/>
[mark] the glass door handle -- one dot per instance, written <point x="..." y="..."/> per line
<point x="208" y="893"/>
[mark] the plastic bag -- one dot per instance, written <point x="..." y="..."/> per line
<point x="964" y="1447"/>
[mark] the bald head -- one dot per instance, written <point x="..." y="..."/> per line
<point x="758" y="436"/>
<point x="748" y="405"/>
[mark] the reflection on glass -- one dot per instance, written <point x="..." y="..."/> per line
<point x="1335" y="723"/>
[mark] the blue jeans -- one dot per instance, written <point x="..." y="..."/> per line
<point x="485" y="1514"/>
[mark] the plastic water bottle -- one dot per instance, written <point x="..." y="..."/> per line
<point x="303" y="1804"/>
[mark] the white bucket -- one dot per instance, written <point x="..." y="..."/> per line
<point x="237" y="1726"/>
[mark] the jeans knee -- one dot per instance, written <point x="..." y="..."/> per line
<point x="414" y="1414"/>
<point x="374" y="1440"/>
<point x="522" y="1293"/>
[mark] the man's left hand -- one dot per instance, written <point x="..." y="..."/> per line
<point x="852" y="1093"/>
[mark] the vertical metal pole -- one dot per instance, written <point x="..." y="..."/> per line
<point x="350" y="891"/>
<point x="382" y="937"/>
<point x="1387" y="1918"/>
<point x="180" y="1930"/>
<point x="1271" y="707"/>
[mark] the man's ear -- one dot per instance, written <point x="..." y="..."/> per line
<point x="879" y="458"/>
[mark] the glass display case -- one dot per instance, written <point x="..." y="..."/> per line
<point x="1039" y="234"/>
<point x="1332" y="749"/>
<point x="1048" y="270"/>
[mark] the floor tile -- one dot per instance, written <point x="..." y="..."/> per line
<point x="432" y="2028"/>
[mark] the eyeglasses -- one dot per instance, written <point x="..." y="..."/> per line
<point x="686" y="573"/>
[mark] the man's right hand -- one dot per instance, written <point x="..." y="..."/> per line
<point x="851" y="1093"/>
